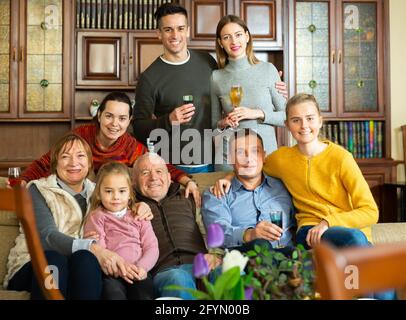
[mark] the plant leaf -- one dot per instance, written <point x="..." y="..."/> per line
<point x="200" y="295"/>
<point x="251" y="253"/>
<point x="226" y="281"/>
<point x="239" y="293"/>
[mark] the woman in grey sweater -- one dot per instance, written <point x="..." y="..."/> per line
<point x="262" y="106"/>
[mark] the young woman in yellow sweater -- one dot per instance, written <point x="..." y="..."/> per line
<point x="332" y="198"/>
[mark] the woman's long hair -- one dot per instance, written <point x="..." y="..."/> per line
<point x="222" y="56"/>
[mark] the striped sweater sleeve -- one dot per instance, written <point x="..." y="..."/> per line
<point x="38" y="168"/>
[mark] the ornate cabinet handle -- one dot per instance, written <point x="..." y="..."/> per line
<point x="333" y="56"/>
<point x="44" y="83"/>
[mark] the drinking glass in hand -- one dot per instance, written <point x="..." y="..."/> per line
<point x="236" y="95"/>
<point x="276" y="218"/>
<point x="14" y="176"/>
<point x="186" y="100"/>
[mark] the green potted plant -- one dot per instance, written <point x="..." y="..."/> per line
<point x="261" y="274"/>
<point x="275" y="276"/>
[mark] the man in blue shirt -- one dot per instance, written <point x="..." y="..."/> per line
<point x="244" y="212"/>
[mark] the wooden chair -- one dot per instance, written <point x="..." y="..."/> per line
<point x="19" y="201"/>
<point x="347" y="273"/>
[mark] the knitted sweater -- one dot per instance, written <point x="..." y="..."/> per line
<point x="125" y="150"/>
<point x="328" y="186"/>
<point x="133" y="240"/>
<point x="160" y="90"/>
<point x="258" y="84"/>
<point x="66" y="214"/>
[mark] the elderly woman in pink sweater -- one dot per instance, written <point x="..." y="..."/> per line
<point x="116" y="229"/>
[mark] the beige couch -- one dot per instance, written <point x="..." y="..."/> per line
<point x="381" y="233"/>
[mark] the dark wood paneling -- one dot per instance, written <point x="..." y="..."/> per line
<point x="21" y="143"/>
<point x="376" y="173"/>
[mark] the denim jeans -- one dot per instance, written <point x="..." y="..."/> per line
<point x="345" y="237"/>
<point x="192" y="170"/>
<point x="181" y="275"/>
<point x="338" y="236"/>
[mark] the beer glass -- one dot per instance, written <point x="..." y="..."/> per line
<point x="236" y="95"/>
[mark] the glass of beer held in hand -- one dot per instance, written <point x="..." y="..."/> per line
<point x="236" y="95"/>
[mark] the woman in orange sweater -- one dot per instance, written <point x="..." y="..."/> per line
<point x="109" y="141"/>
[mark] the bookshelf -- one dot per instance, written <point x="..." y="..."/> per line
<point x="117" y="14"/>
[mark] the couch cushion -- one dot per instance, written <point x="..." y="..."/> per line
<point x="8" y="233"/>
<point x="205" y="180"/>
<point x="13" y="295"/>
<point x="388" y="232"/>
<point x="3" y="182"/>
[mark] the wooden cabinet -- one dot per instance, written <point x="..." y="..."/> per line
<point x="114" y="59"/>
<point x="264" y="19"/>
<point x="33" y="58"/>
<point x="102" y="58"/>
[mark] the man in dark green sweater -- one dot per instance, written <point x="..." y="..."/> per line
<point x="159" y="103"/>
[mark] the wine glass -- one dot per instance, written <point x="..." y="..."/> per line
<point x="276" y="218"/>
<point x="14" y="176"/>
<point x="235" y="97"/>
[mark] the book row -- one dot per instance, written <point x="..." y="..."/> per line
<point x="117" y="14"/>
<point x="364" y="139"/>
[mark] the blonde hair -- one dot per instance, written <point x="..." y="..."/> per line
<point x="222" y="57"/>
<point x="105" y="170"/>
<point x="300" y="98"/>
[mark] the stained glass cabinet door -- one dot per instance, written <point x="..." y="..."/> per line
<point x="314" y="58"/>
<point x="35" y="59"/>
<point x="360" y="75"/>
<point x="44" y="91"/>
<point x="337" y="48"/>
